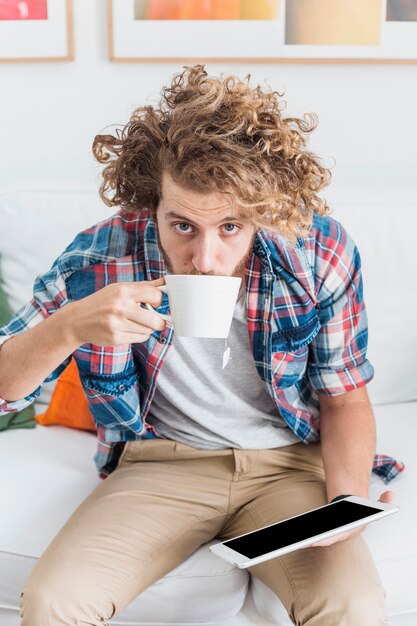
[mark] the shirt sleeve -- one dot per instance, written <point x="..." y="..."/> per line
<point x="49" y="294"/>
<point x="337" y="355"/>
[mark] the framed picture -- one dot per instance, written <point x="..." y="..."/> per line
<point x="36" y="30"/>
<point x="263" y="30"/>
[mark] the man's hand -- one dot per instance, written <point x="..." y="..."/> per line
<point x="113" y="316"/>
<point x="387" y="497"/>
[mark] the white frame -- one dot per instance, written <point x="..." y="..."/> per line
<point x="39" y="40"/>
<point x="133" y="40"/>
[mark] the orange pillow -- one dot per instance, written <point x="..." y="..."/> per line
<point x="68" y="406"/>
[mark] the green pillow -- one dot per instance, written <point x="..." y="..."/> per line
<point x="26" y="417"/>
<point x="5" y="310"/>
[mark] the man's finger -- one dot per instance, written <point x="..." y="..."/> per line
<point x="387" y="497"/>
<point x="157" y="281"/>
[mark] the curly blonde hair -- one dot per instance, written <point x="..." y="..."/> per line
<point x="218" y="134"/>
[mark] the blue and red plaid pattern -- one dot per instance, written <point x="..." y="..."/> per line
<point x="306" y="316"/>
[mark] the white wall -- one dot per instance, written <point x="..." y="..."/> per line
<point x="50" y="112"/>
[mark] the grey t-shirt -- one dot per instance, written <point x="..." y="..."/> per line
<point x="198" y="403"/>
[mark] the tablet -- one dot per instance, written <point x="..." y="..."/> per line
<point x="301" y="530"/>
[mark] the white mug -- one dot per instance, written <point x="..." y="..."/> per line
<point x="201" y="306"/>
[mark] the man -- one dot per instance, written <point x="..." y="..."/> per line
<point x="214" y="181"/>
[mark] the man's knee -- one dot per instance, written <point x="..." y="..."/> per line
<point x="57" y="605"/>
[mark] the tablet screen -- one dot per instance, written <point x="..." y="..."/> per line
<point x="294" y="530"/>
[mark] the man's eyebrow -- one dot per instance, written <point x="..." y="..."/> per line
<point x="172" y="215"/>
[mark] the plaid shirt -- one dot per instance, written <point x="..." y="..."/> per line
<point x="306" y="318"/>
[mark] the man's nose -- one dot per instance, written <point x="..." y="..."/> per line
<point x="204" y="256"/>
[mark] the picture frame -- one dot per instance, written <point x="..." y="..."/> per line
<point x="364" y="35"/>
<point x="38" y="32"/>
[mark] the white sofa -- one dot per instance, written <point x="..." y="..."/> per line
<point x="42" y="481"/>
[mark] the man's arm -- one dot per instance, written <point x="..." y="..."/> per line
<point x="109" y="317"/>
<point x="28" y="358"/>
<point x="348" y="440"/>
<point x="348" y="446"/>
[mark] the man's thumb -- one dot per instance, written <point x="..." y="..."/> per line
<point x="387" y="497"/>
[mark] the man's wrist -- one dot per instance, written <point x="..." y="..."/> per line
<point x="67" y="317"/>
<point x="346" y="495"/>
<point x="336" y="488"/>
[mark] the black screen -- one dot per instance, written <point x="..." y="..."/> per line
<point x="294" y="530"/>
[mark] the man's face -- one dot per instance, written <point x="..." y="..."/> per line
<point x="201" y="233"/>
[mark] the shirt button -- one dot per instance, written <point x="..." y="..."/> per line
<point x="162" y="340"/>
<point x="121" y="387"/>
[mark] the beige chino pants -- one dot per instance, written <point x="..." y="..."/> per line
<point x="163" y="501"/>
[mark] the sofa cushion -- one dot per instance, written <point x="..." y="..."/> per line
<point x="20" y="419"/>
<point x="59" y="462"/>
<point x="38" y="219"/>
<point x="201" y="589"/>
<point x="378" y="219"/>
<point x="53" y="471"/>
<point x="69" y="405"/>
<point x="5" y="310"/>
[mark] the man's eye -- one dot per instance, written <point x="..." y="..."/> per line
<point x="182" y="227"/>
<point x="230" y="228"/>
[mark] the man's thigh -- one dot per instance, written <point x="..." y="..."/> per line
<point x="136" y="526"/>
<point x="322" y="586"/>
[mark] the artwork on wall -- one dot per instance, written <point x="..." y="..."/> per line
<point x="263" y="30"/>
<point x="36" y="30"/>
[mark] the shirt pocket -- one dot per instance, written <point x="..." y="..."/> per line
<point x="290" y="351"/>
<point x="290" y="339"/>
